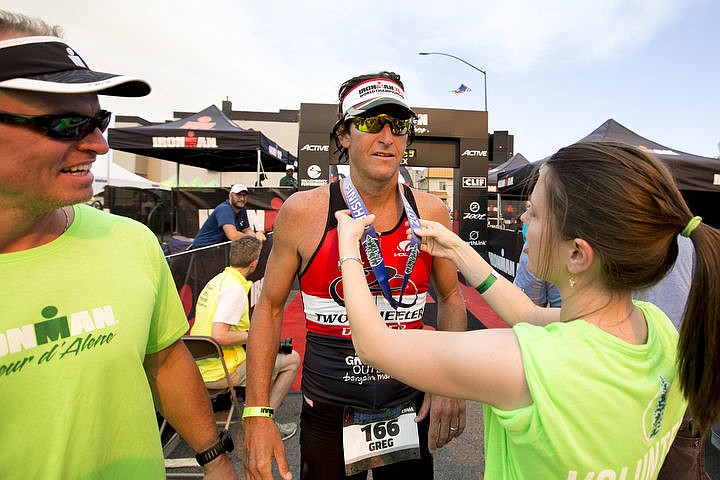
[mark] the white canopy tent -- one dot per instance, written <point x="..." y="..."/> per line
<point x="107" y="172"/>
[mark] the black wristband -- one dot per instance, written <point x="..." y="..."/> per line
<point x="225" y="444"/>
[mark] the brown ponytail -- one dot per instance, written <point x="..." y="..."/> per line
<point x="625" y="203"/>
<point x="699" y="346"/>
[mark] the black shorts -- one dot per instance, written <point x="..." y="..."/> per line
<point x="321" y="448"/>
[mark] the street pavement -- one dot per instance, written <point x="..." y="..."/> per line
<point x="461" y="459"/>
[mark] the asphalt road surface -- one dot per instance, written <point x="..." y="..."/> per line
<point x="461" y="459"/>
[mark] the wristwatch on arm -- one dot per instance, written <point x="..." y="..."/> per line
<point x="225" y="444"/>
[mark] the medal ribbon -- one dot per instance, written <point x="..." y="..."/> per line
<point x="370" y="243"/>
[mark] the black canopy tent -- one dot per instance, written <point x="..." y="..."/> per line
<point x="207" y="139"/>
<point x="697" y="177"/>
<point x="518" y="180"/>
<point x="516" y="161"/>
<point x="691" y="172"/>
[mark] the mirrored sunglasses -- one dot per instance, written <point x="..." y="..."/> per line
<point x="376" y="123"/>
<point x="63" y="126"/>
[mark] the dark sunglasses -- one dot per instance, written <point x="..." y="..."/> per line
<point x="376" y="123"/>
<point x="66" y="126"/>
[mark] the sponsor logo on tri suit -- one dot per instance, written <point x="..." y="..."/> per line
<point x="402" y="249"/>
<point x="331" y="318"/>
<point x="360" y="373"/>
<point x="410" y="296"/>
<point x="387" y="315"/>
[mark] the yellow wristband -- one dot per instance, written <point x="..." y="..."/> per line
<point x="268" y="412"/>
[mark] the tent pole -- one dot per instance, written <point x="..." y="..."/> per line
<point x="257" y="181"/>
<point x="109" y="161"/>
<point x="108" y="155"/>
<point x="173" y="213"/>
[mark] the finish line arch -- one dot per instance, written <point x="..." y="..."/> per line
<point x="456" y="139"/>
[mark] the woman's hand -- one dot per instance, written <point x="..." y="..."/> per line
<point x="350" y="230"/>
<point x="437" y="240"/>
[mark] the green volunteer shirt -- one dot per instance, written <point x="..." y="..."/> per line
<point x="602" y="408"/>
<point x="77" y="317"/>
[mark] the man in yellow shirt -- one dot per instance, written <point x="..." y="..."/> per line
<point x="222" y="312"/>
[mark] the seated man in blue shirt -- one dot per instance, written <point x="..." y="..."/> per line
<point x="228" y="221"/>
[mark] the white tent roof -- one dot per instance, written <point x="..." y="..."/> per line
<point x="107" y="172"/>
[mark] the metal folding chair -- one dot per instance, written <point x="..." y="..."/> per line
<point x="201" y="348"/>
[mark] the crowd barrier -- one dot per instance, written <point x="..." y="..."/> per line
<point x="181" y="211"/>
<point x="504" y="249"/>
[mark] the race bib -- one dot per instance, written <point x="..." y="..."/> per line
<point x="373" y="438"/>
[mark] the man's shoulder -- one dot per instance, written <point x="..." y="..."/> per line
<point x="301" y="220"/>
<point x="223" y="205"/>
<point x="97" y="224"/>
<point x="430" y="206"/>
<point x="95" y="217"/>
<point x="423" y="196"/>
<point x="307" y="201"/>
<point x="225" y="213"/>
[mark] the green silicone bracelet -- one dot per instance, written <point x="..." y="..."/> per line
<point x="487" y="283"/>
<point x="258" y="412"/>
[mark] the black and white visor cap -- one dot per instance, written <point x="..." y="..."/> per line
<point x="48" y="64"/>
<point x="371" y="94"/>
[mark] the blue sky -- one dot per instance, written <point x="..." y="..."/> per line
<point x="556" y="70"/>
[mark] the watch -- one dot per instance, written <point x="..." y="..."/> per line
<point x="225" y="444"/>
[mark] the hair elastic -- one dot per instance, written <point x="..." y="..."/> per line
<point x="691" y="225"/>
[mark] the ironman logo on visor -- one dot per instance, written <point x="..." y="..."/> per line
<point x="373" y="93"/>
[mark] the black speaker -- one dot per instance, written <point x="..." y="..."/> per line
<point x="501" y="147"/>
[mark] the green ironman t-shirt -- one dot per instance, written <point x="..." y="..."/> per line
<point x="602" y="409"/>
<point x="77" y="317"/>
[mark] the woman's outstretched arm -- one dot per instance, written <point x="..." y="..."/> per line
<point x="506" y="299"/>
<point x="481" y="365"/>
